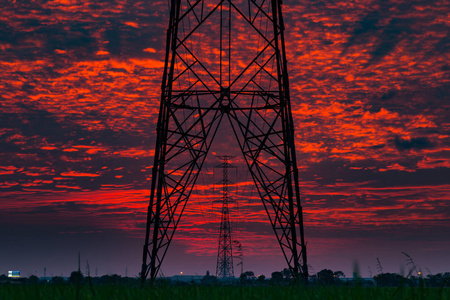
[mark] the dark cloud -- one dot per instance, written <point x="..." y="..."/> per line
<point x="57" y="209"/>
<point x="389" y="37"/>
<point x="389" y="95"/>
<point x="74" y="37"/>
<point x="128" y="41"/>
<point x="7" y="34"/>
<point x="333" y="171"/>
<point x="32" y="130"/>
<point x="387" y="26"/>
<point x="57" y="129"/>
<point x="363" y="30"/>
<point x="419" y="143"/>
<point x="53" y="30"/>
<point x="443" y="45"/>
<point x="123" y="172"/>
<point x="36" y="122"/>
<point x="423" y="98"/>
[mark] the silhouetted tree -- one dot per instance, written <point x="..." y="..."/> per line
<point x="338" y="274"/>
<point x="33" y="279"/>
<point x="57" y="280"/>
<point x="325" y="277"/>
<point x="389" y="279"/>
<point x="261" y="278"/>
<point x="277" y="276"/>
<point x="76" y="277"/>
<point x="247" y="277"/>
<point x="438" y="280"/>
<point x="111" y="279"/>
<point x="287" y="273"/>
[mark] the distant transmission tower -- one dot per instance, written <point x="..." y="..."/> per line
<point x="239" y="255"/>
<point x="224" y="268"/>
<point x="225" y="62"/>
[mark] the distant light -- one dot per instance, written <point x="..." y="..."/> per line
<point x="419" y="273"/>
<point x="181" y="273"/>
<point x="14" y="274"/>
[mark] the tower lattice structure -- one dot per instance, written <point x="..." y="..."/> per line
<point x="225" y="267"/>
<point x="225" y="64"/>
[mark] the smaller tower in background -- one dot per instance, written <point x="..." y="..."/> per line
<point x="224" y="267"/>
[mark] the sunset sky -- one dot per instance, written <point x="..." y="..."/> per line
<point x="80" y="89"/>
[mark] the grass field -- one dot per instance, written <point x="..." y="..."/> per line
<point x="187" y="292"/>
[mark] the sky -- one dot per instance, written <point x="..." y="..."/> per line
<point x="80" y="90"/>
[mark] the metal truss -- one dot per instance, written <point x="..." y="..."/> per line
<point x="225" y="267"/>
<point x="225" y="59"/>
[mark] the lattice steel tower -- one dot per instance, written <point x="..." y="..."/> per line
<point x="224" y="267"/>
<point x="225" y="61"/>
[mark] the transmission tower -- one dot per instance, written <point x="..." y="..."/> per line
<point x="224" y="268"/>
<point x="225" y="61"/>
<point x="239" y="255"/>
